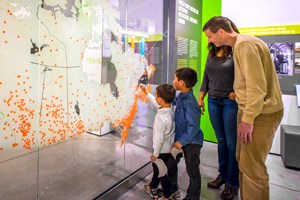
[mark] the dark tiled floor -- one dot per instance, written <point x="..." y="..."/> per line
<point x="284" y="183"/>
<point x="82" y="168"/>
<point x="77" y="169"/>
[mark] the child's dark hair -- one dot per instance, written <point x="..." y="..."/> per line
<point x="188" y="75"/>
<point x="166" y="91"/>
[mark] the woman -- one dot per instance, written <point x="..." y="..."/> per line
<point x="218" y="83"/>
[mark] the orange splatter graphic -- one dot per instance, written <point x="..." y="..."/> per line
<point x="14" y="144"/>
<point x="20" y="114"/>
<point x="127" y="120"/>
<point x="27" y="143"/>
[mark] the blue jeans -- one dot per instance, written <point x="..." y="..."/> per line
<point x="223" y="117"/>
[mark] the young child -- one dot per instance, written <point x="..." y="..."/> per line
<point x="188" y="135"/>
<point x="163" y="137"/>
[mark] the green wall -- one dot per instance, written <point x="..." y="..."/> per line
<point x="210" y="8"/>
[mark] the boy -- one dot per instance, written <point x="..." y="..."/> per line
<point x="188" y="135"/>
<point x="163" y="136"/>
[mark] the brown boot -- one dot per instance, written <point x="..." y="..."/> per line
<point x="216" y="184"/>
<point x="229" y="192"/>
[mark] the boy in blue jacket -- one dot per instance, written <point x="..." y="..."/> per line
<point x="188" y="135"/>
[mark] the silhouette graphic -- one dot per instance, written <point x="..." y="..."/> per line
<point x="77" y="109"/>
<point x="34" y="49"/>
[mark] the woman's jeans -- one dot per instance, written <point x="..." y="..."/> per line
<point x="223" y="117"/>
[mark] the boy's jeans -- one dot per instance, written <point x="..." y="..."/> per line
<point x="192" y="162"/>
<point x="164" y="181"/>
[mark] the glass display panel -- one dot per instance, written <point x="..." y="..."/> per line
<point x="69" y="94"/>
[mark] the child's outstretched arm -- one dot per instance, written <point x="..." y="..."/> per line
<point x="152" y="103"/>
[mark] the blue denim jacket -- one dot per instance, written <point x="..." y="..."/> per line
<point x="187" y="119"/>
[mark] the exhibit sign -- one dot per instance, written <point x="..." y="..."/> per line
<point x="271" y="30"/>
<point x="188" y="33"/>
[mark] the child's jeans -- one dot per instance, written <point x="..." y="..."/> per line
<point x="164" y="180"/>
<point x="173" y="171"/>
<point x="192" y="161"/>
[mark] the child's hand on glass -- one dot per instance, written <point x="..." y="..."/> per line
<point x="143" y="89"/>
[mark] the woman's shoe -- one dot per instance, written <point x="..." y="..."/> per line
<point x="229" y="192"/>
<point x="216" y="184"/>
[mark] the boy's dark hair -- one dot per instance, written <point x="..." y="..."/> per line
<point x="219" y="22"/>
<point x="188" y="75"/>
<point x="166" y="91"/>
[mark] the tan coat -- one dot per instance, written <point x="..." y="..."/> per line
<point x="256" y="84"/>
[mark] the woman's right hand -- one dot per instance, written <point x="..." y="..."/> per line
<point x="232" y="96"/>
<point x="201" y="104"/>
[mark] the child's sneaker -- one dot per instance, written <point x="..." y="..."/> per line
<point x="175" y="195"/>
<point x="147" y="188"/>
<point x="155" y="193"/>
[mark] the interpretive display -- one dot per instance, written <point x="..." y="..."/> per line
<point x="297" y="58"/>
<point x="51" y="70"/>
<point x="283" y="56"/>
<point x="284" y="50"/>
<point x="70" y="71"/>
<point x="188" y="16"/>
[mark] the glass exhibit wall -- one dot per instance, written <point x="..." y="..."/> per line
<point x="69" y="77"/>
<point x="19" y="102"/>
<point x="144" y="29"/>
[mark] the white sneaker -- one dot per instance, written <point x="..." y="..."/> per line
<point x="175" y="195"/>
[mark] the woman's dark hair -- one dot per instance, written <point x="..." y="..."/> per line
<point x="226" y="50"/>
